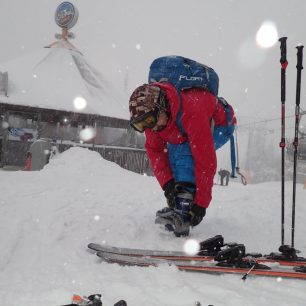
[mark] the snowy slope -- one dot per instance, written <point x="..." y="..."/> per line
<point x="47" y="218"/>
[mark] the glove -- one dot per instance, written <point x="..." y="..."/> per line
<point x="197" y="214"/>
<point x="169" y="192"/>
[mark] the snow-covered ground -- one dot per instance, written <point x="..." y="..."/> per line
<point x="47" y="218"/>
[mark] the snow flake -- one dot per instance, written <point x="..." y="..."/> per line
<point x="79" y="103"/>
<point x="5" y="124"/>
<point x="87" y="134"/>
<point x="191" y="247"/>
<point x="267" y="35"/>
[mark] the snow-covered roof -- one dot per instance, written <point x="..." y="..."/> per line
<point x="53" y="77"/>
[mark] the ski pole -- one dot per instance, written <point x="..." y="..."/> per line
<point x="282" y="144"/>
<point x="299" y="68"/>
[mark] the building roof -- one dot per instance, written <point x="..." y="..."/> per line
<point x="53" y="77"/>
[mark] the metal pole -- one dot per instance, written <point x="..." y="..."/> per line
<point x="299" y="68"/>
<point x="282" y="144"/>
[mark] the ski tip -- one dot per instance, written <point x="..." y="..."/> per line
<point x="121" y="303"/>
<point x="91" y="246"/>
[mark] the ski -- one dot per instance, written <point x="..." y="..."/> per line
<point x="211" y="249"/>
<point x="181" y="256"/>
<point x="213" y="267"/>
<point x="208" y="249"/>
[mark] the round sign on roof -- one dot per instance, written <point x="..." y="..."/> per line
<point x="66" y="15"/>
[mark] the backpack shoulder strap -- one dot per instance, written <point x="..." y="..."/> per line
<point x="179" y="114"/>
<point x="227" y="110"/>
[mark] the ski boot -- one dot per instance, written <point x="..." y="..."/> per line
<point x="163" y="215"/>
<point x="177" y="220"/>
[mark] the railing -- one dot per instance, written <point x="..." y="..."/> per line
<point x="132" y="159"/>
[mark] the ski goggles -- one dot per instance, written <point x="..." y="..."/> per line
<point x="148" y="120"/>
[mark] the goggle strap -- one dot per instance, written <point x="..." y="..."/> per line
<point x="162" y="101"/>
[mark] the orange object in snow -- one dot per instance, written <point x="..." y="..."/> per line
<point x="28" y="161"/>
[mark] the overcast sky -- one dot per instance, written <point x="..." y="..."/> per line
<point x="121" y="38"/>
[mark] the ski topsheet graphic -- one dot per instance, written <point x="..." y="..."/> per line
<point x="214" y="257"/>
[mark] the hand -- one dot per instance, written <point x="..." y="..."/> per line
<point x="169" y="192"/>
<point x="197" y="214"/>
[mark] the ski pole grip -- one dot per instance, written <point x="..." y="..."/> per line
<point x="299" y="64"/>
<point x="283" y="48"/>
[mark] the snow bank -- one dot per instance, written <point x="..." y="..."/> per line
<point x="47" y="218"/>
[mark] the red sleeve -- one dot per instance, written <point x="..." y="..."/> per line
<point x="196" y="123"/>
<point x="158" y="155"/>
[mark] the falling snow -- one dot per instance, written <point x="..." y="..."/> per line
<point x="47" y="218"/>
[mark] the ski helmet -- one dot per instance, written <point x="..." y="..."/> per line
<point x="145" y="98"/>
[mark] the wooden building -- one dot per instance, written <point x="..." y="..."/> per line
<point x="55" y="93"/>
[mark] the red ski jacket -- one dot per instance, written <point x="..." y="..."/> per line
<point x="199" y="106"/>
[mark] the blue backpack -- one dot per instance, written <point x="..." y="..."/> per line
<point x="184" y="73"/>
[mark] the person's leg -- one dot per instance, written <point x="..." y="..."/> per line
<point x="182" y="166"/>
<point x="227" y="179"/>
